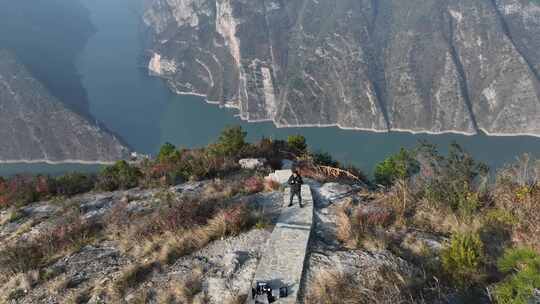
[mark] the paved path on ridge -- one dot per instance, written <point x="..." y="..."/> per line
<point x="282" y="262"/>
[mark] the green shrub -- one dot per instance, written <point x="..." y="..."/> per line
<point x="118" y="176"/>
<point x="297" y="143"/>
<point x="398" y="166"/>
<point x="230" y="142"/>
<point x="268" y="147"/>
<point x="74" y="183"/>
<point x="462" y="259"/>
<point x="454" y="182"/>
<point x="324" y="159"/>
<point x="466" y="204"/>
<point x="500" y="217"/>
<point x="522" y="267"/>
<point x="496" y="232"/>
<point x="168" y="153"/>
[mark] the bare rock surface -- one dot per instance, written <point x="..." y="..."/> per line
<point x="252" y="163"/>
<point x="227" y="266"/>
<point x="419" y="66"/>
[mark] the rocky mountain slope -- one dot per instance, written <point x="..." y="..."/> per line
<point x="220" y="272"/>
<point x="434" y="66"/>
<point x="35" y="126"/>
<point x="439" y="233"/>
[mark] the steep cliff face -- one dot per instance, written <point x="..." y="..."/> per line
<point x="418" y="65"/>
<point x="35" y="126"/>
<point x="57" y="30"/>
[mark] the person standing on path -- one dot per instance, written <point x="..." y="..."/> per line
<point x="295" y="181"/>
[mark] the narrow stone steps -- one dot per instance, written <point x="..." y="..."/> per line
<point x="282" y="262"/>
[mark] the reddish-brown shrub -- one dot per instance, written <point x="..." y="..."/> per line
<point x="74" y="233"/>
<point x="237" y="218"/>
<point x="181" y="215"/>
<point x="32" y="254"/>
<point x="254" y="184"/>
<point x="20" y="190"/>
<point x="3" y="193"/>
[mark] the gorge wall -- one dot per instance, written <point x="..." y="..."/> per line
<point x="36" y="127"/>
<point x="418" y="65"/>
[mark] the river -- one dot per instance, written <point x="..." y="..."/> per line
<point x="145" y="114"/>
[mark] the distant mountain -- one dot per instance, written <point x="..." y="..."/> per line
<point x="416" y="65"/>
<point x="35" y="126"/>
<point x="57" y="30"/>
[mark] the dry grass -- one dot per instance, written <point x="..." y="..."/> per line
<point x="18" y="286"/>
<point x="79" y="296"/>
<point x="384" y="285"/>
<point x="221" y="189"/>
<point x="237" y="299"/>
<point x="401" y="199"/>
<point x="363" y="226"/>
<point x="518" y="192"/>
<point x="177" y="246"/>
<point x="330" y="287"/>
<point x="180" y="226"/>
<point x="441" y="221"/>
<point x="523" y="201"/>
<point x="133" y="275"/>
<point x="227" y="222"/>
<point x="372" y="242"/>
<point x="271" y="185"/>
<point x="63" y="238"/>
<point x="187" y="291"/>
<point x="344" y="232"/>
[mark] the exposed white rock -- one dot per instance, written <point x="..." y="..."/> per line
<point x="184" y="12"/>
<point x="330" y="192"/>
<point x="159" y="66"/>
<point x="457" y="15"/>
<point x="280" y="176"/>
<point x="252" y="163"/>
<point x="269" y="92"/>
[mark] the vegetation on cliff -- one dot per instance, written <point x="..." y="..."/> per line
<point x="487" y="227"/>
<point x="491" y="229"/>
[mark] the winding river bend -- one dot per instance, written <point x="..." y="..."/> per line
<point x="142" y="111"/>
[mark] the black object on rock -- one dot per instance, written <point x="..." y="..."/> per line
<point x="263" y="293"/>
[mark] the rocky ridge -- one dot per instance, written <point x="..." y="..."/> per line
<point x="226" y="266"/>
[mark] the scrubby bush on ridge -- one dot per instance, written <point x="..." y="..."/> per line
<point x="297" y="143"/>
<point x="449" y="196"/>
<point x="121" y="175"/>
<point x="399" y="166"/>
<point x="522" y="267"/>
<point x="483" y="227"/>
<point x="462" y="259"/>
<point x="230" y="142"/>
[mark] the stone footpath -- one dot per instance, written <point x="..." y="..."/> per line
<point x="282" y="262"/>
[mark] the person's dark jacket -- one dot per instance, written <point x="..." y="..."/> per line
<point x="295" y="182"/>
